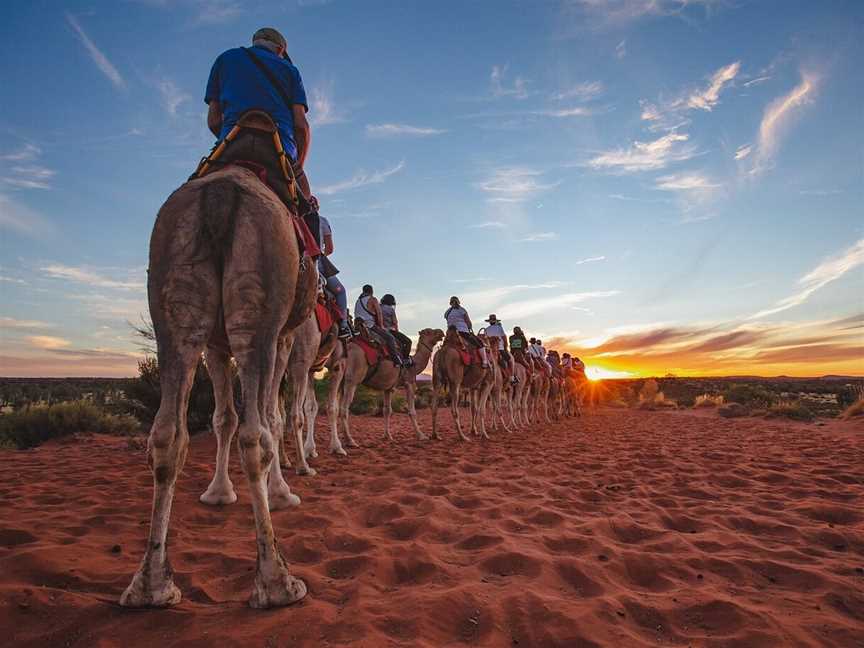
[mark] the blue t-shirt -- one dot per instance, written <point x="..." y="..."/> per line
<point x="237" y="83"/>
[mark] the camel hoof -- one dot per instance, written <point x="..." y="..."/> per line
<point x="306" y="470"/>
<point x="283" y="590"/>
<point x="285" y="462"/>
<point x="338" y="450"/>
<point x="351" y="443"/>
<point x="422" y="437"/>
<point x="164" y="595"/>
<point x="282" y="499"/>
<point x="218" y="496"/>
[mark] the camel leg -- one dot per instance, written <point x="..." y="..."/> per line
<point x="279" y="493"/>
<point x="310" y="414"/>
<point x="482" y="399"/>
<point x="333" y="414"/>
<point x="346" y="399"/>
<point x="454" y="410"/>
<point x="387" y="410"/>
<point x="221" y="489"/>
<point x="273" y="585"/>
<point x="153" y="583"/>
<point x="410" y="396"/>
<point x="298" y="376"/>
<point x="435" y="388"/>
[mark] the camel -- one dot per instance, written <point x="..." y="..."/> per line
<point x="500" y="391"/>
<point x="518" y="394"/>
<point x="225" y="273"/>
<point x="449" y="371"/>
<point x="350" y="368"/>
<point x="298" y="354"/>
<point x="539" y="403"/>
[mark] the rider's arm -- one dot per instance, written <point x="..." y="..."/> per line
<point x="214" y="117"/>
<point x="373" y="307"/>
<point x="302" y="133"/>
<point x="468" y="321"/>
<point x="328" y="244"/>
<point x="395" y="321"/>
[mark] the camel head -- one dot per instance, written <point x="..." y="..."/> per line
<point x="431" y="336"/>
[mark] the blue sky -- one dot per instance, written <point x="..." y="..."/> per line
<point x="658" y="185"/>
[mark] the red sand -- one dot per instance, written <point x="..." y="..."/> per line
<point x="622" y="529"/>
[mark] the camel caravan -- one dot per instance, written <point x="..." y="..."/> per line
<point x="239" y="269"/>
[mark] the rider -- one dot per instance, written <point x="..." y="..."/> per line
<point x="536" y="351"/>
<point x="457" y="317"/>
<point x="368" y="309"/>
<point x="328" y="272"/>
<point x="261" y="77"/>
<point x="495" y="332"/>
<point x="391" y="322"/>
<point x="578" y="365"/>
<point x="519" y="347"/>
<point x="566" y="361"/>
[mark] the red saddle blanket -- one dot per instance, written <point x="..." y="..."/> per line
<point x="372" y="354"/>
<point x="326" y="314"/>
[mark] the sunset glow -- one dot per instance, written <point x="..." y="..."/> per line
<point x="601" y="373"/>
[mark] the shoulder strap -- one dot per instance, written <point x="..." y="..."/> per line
<point x="268" y="73"/>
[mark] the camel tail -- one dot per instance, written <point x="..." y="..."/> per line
<point x="220" y="200"/>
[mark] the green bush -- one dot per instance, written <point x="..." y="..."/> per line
<point x="29" y="427"/>
<point x="750" y="396"/>
<point x="143" y="395"/>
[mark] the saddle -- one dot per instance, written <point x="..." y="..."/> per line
<point x="259" y="124"/>
<point x="469" y="355"/>
<point x="326" y="313"/>
<point x="366" y="339"/>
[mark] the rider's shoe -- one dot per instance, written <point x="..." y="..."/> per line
<point x="345" y="332"/>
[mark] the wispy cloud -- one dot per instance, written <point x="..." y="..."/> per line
<point x="23" y="220"/>
<point x="500" y="87"/>
<point x="361" y="179"/>
<point x="743" y="151"/>
<point x="8" y="323"/>
<point x="105" y="66"/>
<point x="528" y="307"/>
<point x="24" y="154"/>
<point x="539" y="237"/>
<point x="621" y="49"/>
<point x="513" y="184"/>
<point x="756" y="81"/>
<point x="171" y="95"/>
<point x="671" y="114"/>
<point x="618" y="12"/>
<point x="401" y="130"/>
<point x="823" y="274"/>
<point x="708" y="97"/>
<point x="591" y="260"/>
<point x="89" y="277"/>
<point x="489" y="225"/>
<point x="777" y="117"/>
<point x="645" y="156"/>
<point x="685" y="182"/>
<point x="323" y="110"/>
<point x="47" y="342"/>
<point x="218" y="11"/>
<point x="584" y="91"/>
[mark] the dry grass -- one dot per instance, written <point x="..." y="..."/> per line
<point x="651" y="398"/>
<point x="856" y="408"/>
<point x="709" y="400"/>
<point x="794" y="410"/>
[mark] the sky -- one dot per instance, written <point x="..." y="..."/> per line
<point x="659" y="186"/>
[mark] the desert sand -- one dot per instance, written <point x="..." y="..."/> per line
<point x="620" y="529"/>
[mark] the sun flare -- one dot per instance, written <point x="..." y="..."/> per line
<point x="599" y="373"/>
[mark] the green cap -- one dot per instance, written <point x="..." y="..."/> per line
<point x="271" y="35"/>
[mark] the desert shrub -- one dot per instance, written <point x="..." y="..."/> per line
<point x="794" y="410"/>
<point x="856" y="406"/>
<point x="708" y="400"/>
<point x="143" y="394"/>
<point x="366" y="401"/>
<point x="30" y="427"/>
<point x="617" y="403"/>
<point x="649" y="391"/>
<point x="750" y="396"/>
<point x="733" y="410"/>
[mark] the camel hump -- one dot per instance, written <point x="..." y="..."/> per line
<point x="220" y="200"/>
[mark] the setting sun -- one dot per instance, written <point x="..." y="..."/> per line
<point x="599" y="373"/>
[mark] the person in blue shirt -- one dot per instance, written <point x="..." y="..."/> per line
<point x="238" y="84"/>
